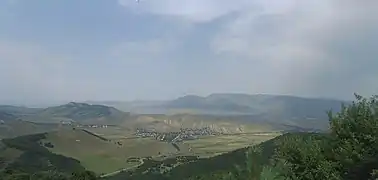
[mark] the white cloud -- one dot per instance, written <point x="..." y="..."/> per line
<point x="205" y="10"/>
<point x="304" y="45"/>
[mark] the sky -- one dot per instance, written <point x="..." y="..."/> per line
<point x="69" y="50"/>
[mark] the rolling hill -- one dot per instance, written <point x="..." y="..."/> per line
<point x="26" y="154"/>
<point x="13" y="128"/>
<point x="79" y="112"/>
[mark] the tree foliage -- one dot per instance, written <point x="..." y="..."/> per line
<point x="350" y="151"/>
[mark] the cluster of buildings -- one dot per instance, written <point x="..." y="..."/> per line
<point x="183" y="134"/>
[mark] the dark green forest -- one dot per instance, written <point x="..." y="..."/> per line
<point x="348" y="152"/>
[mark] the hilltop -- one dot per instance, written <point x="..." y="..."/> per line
<point x="79" y="113"/>
<point x="17" y="121"/>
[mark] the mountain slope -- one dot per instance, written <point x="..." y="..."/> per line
<point x="232" y="103"/>
<point x="253" y="104"/>
<point x="26" y="154"/>
<point x="203" y="104"/>
<point x="14" y="128"/>
<point x="81" y="113"/>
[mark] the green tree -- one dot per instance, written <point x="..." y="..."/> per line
<point x="349" y="152"/>
<point x="355" y="133"/>
<point x="304" y="157"/>
<point x="254" y="168"/>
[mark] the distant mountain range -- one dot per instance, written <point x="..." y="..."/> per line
<point x="265" y="107"/>
<point x="236" y="108"/>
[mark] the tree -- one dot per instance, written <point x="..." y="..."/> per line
<point x="355" y="133"/>
<point x="349" y="152"/>
<point x="302" y="156"/>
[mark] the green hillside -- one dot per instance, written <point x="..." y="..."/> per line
<point x="81" y="113"/>
<point x="102" y="155"/>
<point x="26" y="154"/>
<point x="14" y="128"/>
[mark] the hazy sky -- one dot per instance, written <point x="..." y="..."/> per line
<point x="74" y="50"/>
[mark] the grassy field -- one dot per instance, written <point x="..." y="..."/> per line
<point x="19" y="128"/>
<point x="112" y="132"/>
<point x="105" y="156"/>
<point x="102" y="156"/>
<point x="163" y="123"/>
<point x="8" y="154"/>
<point x="213" y="145"/>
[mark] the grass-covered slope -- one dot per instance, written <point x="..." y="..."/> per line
<point x="81" y="113"/>
<point x="101" y="155"/>
<point x="27" y="154"/>
<point x="200" y="168"/>
<point x="14" y="128"/>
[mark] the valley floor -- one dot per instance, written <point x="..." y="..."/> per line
<point x="110" y="156"/>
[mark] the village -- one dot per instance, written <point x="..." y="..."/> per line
<point x="183" y="134"/>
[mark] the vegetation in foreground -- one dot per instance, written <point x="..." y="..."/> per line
<point x="349" y="151"/>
